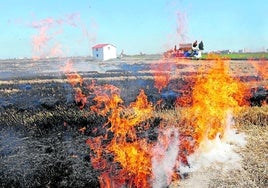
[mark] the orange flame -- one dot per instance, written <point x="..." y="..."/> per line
<point x="262" y="67"/>
<point x="80" y="98"/>
<point x="106" y="98"/>
<point x="75" y="80"/>
<point x="122" y="157"/>
<point x="162" y="73"/>
<point x="131" y="153"/>
<point x="72" y="77"/>
<point x="214" y="96"/>
<point x="135" y="160"/>
<point x="186" y="99"/>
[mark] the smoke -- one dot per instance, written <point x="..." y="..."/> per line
<point x="47" y="30"/>
<point x="214" y="155"/>
<point x="46" y="42"/>
<point x="182" y="26"/>
<point x="164" y="157"/>
<point x="89" y="33"/>
<point x="231" y="136"/>
<point x="180" y="34"/>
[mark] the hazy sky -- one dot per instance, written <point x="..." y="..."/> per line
<point x="66" y="27"/>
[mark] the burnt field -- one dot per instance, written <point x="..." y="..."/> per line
<point x="44" y="129"/>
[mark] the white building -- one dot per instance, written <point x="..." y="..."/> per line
<point x="104" y="52"/>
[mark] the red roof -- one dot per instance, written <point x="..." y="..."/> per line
<point x="100" y="45"/>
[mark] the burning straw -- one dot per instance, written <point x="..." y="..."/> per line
<point x="125" y="159"/>
<point x="135" y="145"/>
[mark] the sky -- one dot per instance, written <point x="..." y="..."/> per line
<point x="35" y="28"/>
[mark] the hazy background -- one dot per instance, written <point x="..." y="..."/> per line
<point x="43" y="28"/>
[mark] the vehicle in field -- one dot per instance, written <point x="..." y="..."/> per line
<point x="186" y="50"/>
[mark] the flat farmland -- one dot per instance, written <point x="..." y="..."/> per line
<point x="43" y="129"/>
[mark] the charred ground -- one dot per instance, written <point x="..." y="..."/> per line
<point x="43" y="131"/>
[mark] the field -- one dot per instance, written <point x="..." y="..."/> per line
<point x="243" y="56"/>
<point x="44" y="128"/>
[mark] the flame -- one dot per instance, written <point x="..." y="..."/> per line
<point x="80" y="98"/>
<point x="135" y="160"/>
<point x="72" y="77"/>
<point x="124" y="158"/>
<point x="82" y="130"/>
<point x="261" y="66"/>
<point x="186" y="100"/>
<point x="107" y="97"/>
<point x="76" y="82"/>
<point x="214" y="96"/>
<point x="131" y="153"/>
<point x="162" y="72"/>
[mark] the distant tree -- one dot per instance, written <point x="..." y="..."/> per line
<point x="201" y="46"/>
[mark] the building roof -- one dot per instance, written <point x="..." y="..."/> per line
<point x="185" y="46"/>
<point x="100" y="45"/>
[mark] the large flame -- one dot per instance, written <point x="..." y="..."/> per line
<point x="214" y="95"/>
<point x="125" y="159"/>
<point x="121" y="156"/>
<point x="132" y="154"/>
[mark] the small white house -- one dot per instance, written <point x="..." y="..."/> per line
<point x="104" y="52"/>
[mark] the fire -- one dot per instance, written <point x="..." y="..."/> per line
<point x="76" y="81"/>
<point x="185" y="99"/>
<point x="261" y="67"/>
<point x="106" y="98"/>
<point x="131" y="153"/>
<point x="135" y="160"/>
<point x="72" y="77"/>
<point x="80" y="98"/>
<point x="162" y="73"/>
<point x="214" y="96"/>
<point x="123" y="158"/>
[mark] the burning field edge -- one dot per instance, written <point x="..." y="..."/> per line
<point x="47" y="148"/>
<point x="44" y="130"/>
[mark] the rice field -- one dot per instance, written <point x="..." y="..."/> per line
<point x="43" y="130"/>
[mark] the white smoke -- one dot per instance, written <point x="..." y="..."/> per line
<point x="164" y="159"/>
<point x="213" y="155"/>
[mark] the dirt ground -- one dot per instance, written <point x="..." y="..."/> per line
<point x="41" y="142"/>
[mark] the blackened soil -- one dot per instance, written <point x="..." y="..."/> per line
<point x="40" y="149"/>
<point x="43" y="131"/>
